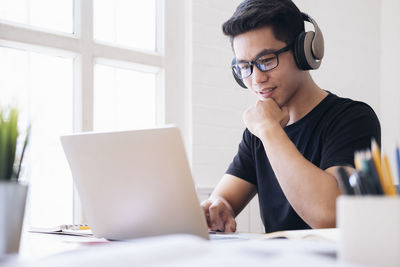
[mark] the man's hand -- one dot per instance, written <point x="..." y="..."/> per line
<point x="219" y="215"/>
<point x="265" y="114"/>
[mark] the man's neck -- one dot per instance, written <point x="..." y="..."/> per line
<point x="307" y="97"/>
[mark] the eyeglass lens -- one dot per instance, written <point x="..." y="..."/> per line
<point x="264" y="63"/>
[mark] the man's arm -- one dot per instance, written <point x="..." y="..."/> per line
<point x="311" y="191"/>
<point x="228" y="199"/>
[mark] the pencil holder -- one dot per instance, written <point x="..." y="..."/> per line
<point x="369" y="230"/>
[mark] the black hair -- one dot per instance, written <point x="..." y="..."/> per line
<point x="283" y="16"/>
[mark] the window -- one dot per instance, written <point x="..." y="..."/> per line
<point x="47" y="14"/>
<point x="126" y="23"/>
<point x="120" y="94"/>
<point x="83" y="65"/>
<point x="41" y="85"/>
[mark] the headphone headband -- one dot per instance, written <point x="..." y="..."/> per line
<point x="318" y="40"/>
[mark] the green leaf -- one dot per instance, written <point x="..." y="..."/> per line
<point x="13" y="135"/>
<point x="28" y="133"/>
<point x="8" y="143"/>
<point x="3" y="147"/>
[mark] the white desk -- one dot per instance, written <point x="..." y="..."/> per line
<point x="317" y="249"/>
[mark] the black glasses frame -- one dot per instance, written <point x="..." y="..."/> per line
<point x="258" y="65"/>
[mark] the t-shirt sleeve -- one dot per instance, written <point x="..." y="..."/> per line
<point x="242" y="165"/>
<point x="350" y="131"/>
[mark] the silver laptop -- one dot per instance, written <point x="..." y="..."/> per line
<point x="135" y="183"/>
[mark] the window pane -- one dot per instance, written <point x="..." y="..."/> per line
<point x="129" y="23"/>
<point x="42" y="87"/>
<point x="123" y="99"/>
<point x="55" y="15"/>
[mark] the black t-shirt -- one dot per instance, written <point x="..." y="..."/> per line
<point x="327" y="136"/>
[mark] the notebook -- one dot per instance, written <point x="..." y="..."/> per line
<point x="135" y="183"/>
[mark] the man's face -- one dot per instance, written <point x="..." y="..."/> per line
<point x="281" y="83"/>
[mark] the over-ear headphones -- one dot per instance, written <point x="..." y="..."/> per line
<point x="308" y="49"/>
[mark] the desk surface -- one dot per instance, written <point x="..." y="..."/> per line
<point x="36" y="245"/>
<point x="309" y="247"/>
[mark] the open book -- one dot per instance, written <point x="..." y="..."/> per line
<point x="329" y="234"/>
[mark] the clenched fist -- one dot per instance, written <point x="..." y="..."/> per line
<point x="265" y="114"/>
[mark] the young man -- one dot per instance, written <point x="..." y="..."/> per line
<point x="297" y="134"/>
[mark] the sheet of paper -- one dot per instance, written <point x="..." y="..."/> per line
<point x="185" y="250"/>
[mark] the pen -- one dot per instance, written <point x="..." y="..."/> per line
<point x="364" y="184"/>
<point x="398" y="163"/>
<point x="356" y="184"/>
<point x="74" y="227"/>
<point x="372" y="183"/>
<point x="344" y="181"/>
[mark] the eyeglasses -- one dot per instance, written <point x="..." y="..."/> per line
<point x="264" y="63"/>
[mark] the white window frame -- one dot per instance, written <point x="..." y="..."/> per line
<point x="171" y="60"/>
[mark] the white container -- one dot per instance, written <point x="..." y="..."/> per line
<point x="369" y="229"/>
<point x="12" y="209"/>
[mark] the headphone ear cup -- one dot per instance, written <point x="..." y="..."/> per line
<point x="239" y="81"/>
<point x="303" y="54"/>
<point x="298" y="51"/>
<point x="312" y="60"/>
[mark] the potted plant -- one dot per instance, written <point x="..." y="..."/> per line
<point x="12" y="192"/>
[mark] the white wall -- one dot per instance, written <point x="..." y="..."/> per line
<point x="217" y="103"/>
<point x="390" y="77"/>
<point x="351" y="66"/>
<point x="362" y="40"/>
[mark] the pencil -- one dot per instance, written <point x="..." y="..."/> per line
<point x="376" y="156"/>
<point x="389" y="186"/>
<point x="357" y="160"/>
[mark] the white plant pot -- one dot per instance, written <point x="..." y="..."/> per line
<point x="12" y="209"/>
